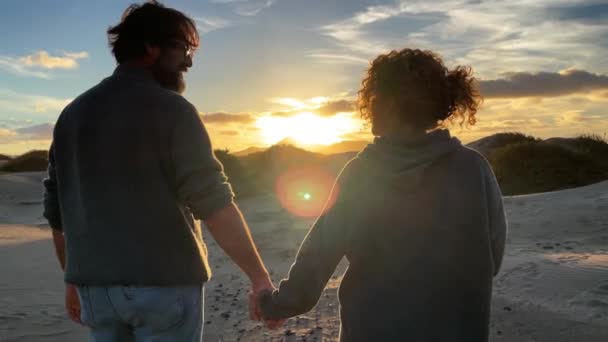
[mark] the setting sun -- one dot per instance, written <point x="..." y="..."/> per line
<point x="307" y="128"/>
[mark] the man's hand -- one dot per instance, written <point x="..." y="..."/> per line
<point x="255" y="312"/>
<point x="72" y="303"/>
<point x="258" y="286"/>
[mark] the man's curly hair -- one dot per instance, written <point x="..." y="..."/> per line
<point x="421" y="91"/>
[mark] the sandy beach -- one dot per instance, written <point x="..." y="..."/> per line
<point x="553" y="285"/>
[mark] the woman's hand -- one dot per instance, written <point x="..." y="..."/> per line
<point x="255" y="311"/>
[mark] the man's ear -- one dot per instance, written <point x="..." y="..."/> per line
<point x="152" y="54"/>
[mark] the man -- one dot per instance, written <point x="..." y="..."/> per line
<point x="130" y="168"/>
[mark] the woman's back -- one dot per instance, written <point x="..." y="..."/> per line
<point x="420" y="252"/>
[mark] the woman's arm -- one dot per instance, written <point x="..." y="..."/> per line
<point x="496" y="218"/>
<point x="320" y="252"/>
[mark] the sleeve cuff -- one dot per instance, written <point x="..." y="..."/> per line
<point x="204" y="208"/>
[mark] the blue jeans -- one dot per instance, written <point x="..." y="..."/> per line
<point x="142" y="314"/>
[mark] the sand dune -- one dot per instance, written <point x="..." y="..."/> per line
<point x="553" y="285"/>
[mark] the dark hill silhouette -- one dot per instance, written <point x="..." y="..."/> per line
<point x="287" y="141"/>
<point x="249" y="150"/>
<point x="487" y="144"/>
<point x="4" y="157"/>
<point x="28" y="162"/>
<point x="341" y="147"/>
<point x="264" y="167"/>
<point x="592" y="144"/>
<point x="523" y="164"/>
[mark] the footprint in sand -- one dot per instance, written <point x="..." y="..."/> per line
<point x="596" y="303"/>
<point x="527" y="270"/>
<point x="602" y="289"/>
<point x="585" y="221"/>
<point x="520" y="203"/>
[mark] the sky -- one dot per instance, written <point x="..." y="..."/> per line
<point x="273" y="69"/>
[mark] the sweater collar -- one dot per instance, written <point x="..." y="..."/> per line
<point x="134" y="72"/>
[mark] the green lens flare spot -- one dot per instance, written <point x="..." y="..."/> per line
<point x="305" y="195"/>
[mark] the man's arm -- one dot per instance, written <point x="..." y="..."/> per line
<point x="229" y="229"/>
<point x="59" y="242"/>
<point x="51" y="196"/>
<point x="72" y="302"/>
<point x="53" y="215"/>
<point x="51" y="207"/>
<point x="202" y="186"/>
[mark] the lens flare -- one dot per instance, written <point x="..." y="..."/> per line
<point x="305" y="192"/>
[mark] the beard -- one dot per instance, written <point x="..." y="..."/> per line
<point x="169" y="79"/>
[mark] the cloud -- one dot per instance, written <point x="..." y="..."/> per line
<point x="39" y="132"/>
<point x="321" y="105"/>
<point x="574" y="117"/>
<point x="5" y="132"/>
<point x="350" y="33"/>
<point x="75" y="55"/>
<point x="208" y="24"/>
<point x="11" y="101"/>
<point x="221" y="117"/>
<point x="229" y="132"/>
<point x="523" y="84"/>
<point x="333" y="107"/>
<point x="589" y="12"/>
<point x="247" y="7"/>
<point x="11" y="122"/>
<point x="338" y="58"/>
<point x="43" y="59"/>
<point x="492" y="36"/>
<point x="544" y="117"/>
<point x="512" y="125"/>
<point x="291" y="102"/>
<point x="33" y="65"/>
<point x="15" y="67"/>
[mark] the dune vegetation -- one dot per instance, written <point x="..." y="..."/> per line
<point x="528" y="165"/>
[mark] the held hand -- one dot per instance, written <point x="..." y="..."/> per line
<point x="274" y="324"/>
<point x="258" y="286"/>
<point x="72" y="303"/>
<point x="255" y="303"/>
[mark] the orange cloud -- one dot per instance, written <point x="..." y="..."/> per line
<point x="221" y="117"/>
<point x="43" y="59"/>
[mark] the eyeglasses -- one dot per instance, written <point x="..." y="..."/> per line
<point x="186" y="48"/>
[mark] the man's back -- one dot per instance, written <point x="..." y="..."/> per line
<point x="130" y="168"/>
<point x="118" y="151"/>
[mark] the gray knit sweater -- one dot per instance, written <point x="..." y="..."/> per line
<point x="422" y="226"/>
<point x="130" y="165"/>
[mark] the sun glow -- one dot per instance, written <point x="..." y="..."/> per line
<point x="307" y="128"/>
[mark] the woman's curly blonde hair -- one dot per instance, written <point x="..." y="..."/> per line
<point x="421" y="91"/>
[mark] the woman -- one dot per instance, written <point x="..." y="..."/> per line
<point x="418" y="215"/>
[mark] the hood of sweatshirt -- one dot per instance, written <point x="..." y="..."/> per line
<point x="401" y="161"/>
